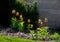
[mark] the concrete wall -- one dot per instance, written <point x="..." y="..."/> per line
<point x="49" y="9"/>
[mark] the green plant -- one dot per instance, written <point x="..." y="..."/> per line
<point x="14" y="22"/>
<point x="21" y="26"/>
<point x="28" y="10"/>
<point x="55" y="36"/>
<point x="42" y="33"/>
<point x="32" y="33"/>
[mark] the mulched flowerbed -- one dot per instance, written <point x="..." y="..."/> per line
<point x="8" y="32"/>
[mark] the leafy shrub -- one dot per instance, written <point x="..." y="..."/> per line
<point x="32" y="33"/>
<point x="42" y="33"/>
<point x="14" y="22"/>
<point x="55" y="36"/>
<point x="21" y="26"/>
<point x="28" y="10"/>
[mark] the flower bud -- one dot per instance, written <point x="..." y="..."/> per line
<point x="13" y="11"/>
<point x="17" y="14"/>
<point x="46" y="20"/>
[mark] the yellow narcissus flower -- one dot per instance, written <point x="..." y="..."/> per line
<point x="17" y="13"/>
<point x="41" y="23"/>
<point x="28" y="21"/>
<point x="46" y="20"/>
<point x="21" y="19"/>
<point x="31" y="26"/>
<point x="39" y="20"/>
<point x="13" y="11"/>
<point x="20" y="16"/>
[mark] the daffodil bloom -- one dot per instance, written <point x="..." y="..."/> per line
<point x="41" y="23"/>
<point x="20" y="17"/>
<point x="31" y="26"/>
<point x="13" y="11"/>
<point x="21" y="24"/>
<point x="46" y="20"/>
<point x="28" y="21"/>
<point x="28" y="25"/>
<point x="17" y="13"/>
<point x="39" y="20"/>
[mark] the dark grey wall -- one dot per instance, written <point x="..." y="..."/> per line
<point x="49" y="9"/>
<point x="4" y="13"/>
